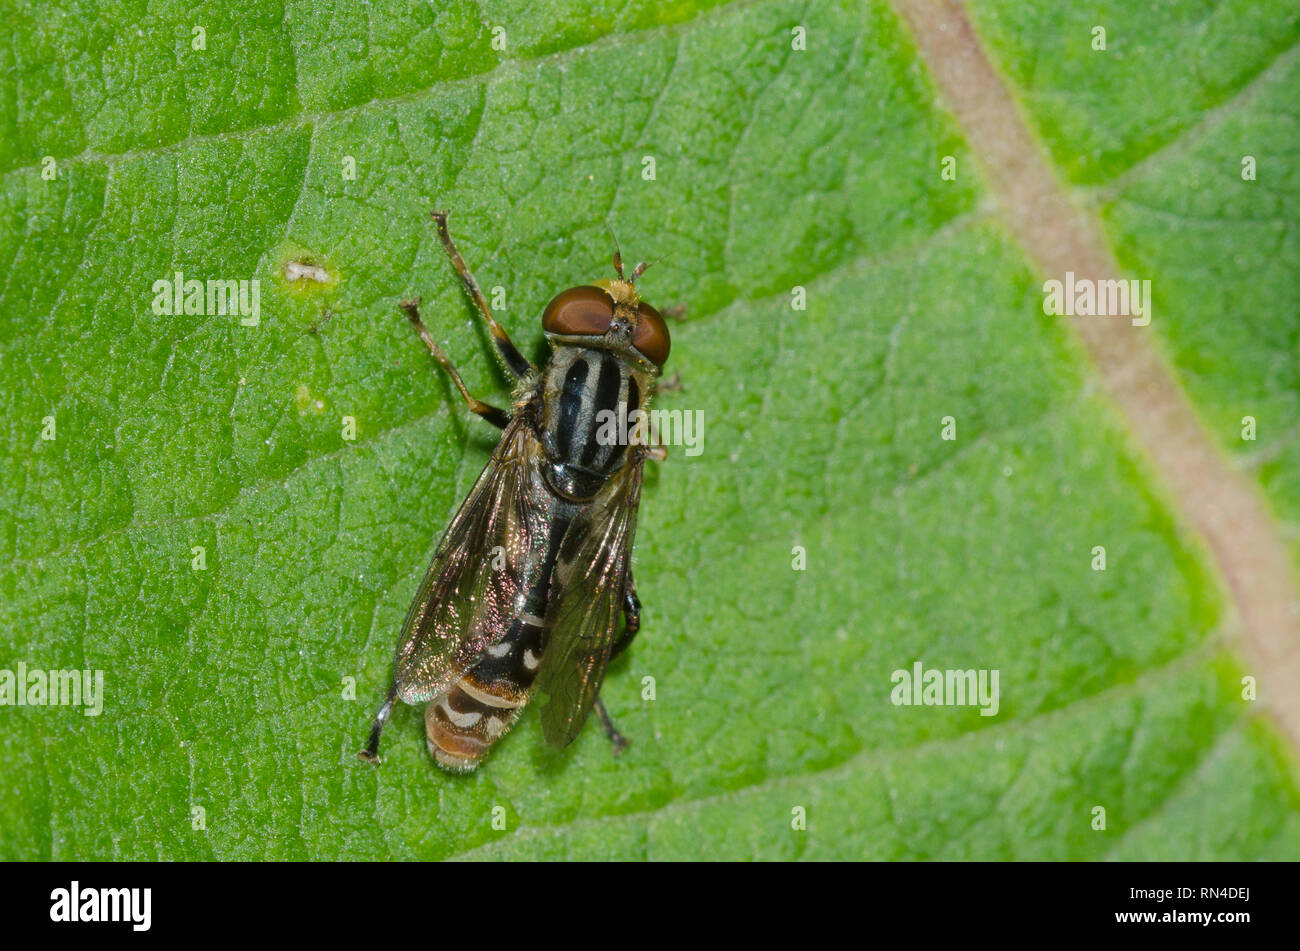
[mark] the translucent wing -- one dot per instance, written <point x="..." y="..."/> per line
<point x="467" y="598"/>
<point x="586" y="600"/>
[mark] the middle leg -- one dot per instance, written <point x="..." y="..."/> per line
<point x="494" y="415"/>
<point x="631" y="624"/>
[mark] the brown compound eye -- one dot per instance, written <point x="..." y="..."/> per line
<point x="651" y="336"/>
<point x="579" y="311"/>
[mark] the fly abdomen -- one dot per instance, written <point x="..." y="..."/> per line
<point x="463" y="724"/>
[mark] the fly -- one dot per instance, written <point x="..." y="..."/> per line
<point x="526" y="589"/>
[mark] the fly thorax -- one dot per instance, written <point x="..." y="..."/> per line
<point x="592" y="411"/>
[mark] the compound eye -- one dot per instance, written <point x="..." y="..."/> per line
<point x="651" y="336"/>
<point x="579" y="311"/>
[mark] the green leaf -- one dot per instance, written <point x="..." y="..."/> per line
<point x="226" y="694"/>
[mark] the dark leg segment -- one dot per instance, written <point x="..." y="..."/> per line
<point x="631" y="620"/>
<point x="371" y="753"/>
<point x="514" y="360"/>
<point x="631" y="624"/>
<point x="620" y="741"/>
<point x="497" y="417"/>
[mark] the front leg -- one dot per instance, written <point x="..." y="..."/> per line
<point x="515" y="361"/>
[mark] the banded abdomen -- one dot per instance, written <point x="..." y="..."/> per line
<point x="464" y="722"/>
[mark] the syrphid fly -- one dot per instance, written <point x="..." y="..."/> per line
<point x="526" y="589"/>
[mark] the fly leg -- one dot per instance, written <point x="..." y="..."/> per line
<point x="371" y="753"/>
<point x="497" y="417"/>
<point x="618" y="739"/>
<point x="515" y="361"/>
<point x="631" y="624"/>
<point x="631" y="619"/>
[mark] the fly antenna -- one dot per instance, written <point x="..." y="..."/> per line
<point x="618" y="254"/>
<point x="643" y="267"/>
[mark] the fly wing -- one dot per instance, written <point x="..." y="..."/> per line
<point x="586" y="599"/>
<point x="467" y="597"/>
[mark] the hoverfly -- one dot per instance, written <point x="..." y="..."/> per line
<point x="526" y="587"/>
